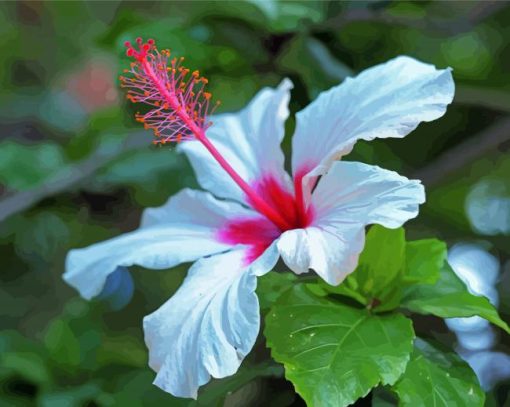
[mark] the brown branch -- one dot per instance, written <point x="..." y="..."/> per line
<point x="458" y="157"/>
<point x="489" y="98"/>
<point x="68" y="176"/>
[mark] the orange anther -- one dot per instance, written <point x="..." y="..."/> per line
<point x="174" y="94"/>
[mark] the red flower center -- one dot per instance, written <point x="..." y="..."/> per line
<point x="259" y="232"/>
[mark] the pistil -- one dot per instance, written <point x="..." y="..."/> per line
<point x="183" y="110"/>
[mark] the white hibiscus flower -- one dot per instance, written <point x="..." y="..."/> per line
<point x="253" y="211"/>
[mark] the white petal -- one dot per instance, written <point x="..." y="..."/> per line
<point x="210" y="324"/>
<point x="331" y="255"/>
<point x="195" y="207"/>
<point x="349" y="197"/>
<point x="157" y="247"/>
<point x="365" y="194"/>
<point x="181" y="230"/>
<point x="249" y="141"/>
<point x="387" y="100"/>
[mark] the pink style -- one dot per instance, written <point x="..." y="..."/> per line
<point x="180" y="110"/>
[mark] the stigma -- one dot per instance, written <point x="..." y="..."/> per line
<point x="179" y="104"/>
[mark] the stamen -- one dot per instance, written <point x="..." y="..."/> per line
<point x="180" y="108"/>
<point x="167" y="87"/>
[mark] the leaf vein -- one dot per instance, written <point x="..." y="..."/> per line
<point x="319" y="326"/>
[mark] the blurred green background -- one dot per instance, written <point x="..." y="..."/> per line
<point x="75" y="167"/>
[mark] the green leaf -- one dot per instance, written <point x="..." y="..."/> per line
<point x="271" y="285"/>
<point x="382" y="397"/>
<point x="135" y="389"/>
<point x="25" y="166"/>
<point x="333" y="353"/>
<point x="62" y="344"/>
<point x="449" y="298"/>
<point x="424" y="260"/>
<point x="284" y="16"/>
<point x="380" y="266"/>
<point x="215" y="392"/>
<point x="381" y="261"/>
<point x="122" y="350"/>
<point x="30" y="366"/>
<point x="41" y="236"/>
<point x="434" y="378"/>
<point x="23" y="357"/>
<point x="86" y="394"/>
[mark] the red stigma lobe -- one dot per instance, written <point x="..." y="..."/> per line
<point x="177" y="97"/>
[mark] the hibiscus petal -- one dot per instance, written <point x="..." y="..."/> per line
<point x="196" y="207"/>
<point x="332" y="256"/>
<point x="387" y="100"/>
<point x="184" y="229"/>
<point x="250" y="142"/>
<point x="364" y="194"/>
<point x="349" y="197"/>
<point x="153" y="247"/>
<point x="209" y="325"/>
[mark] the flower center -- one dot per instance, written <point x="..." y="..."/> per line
<point x="258" y="233"/>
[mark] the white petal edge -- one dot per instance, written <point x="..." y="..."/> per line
<point x="181" y="230"/>
<point x="153" y="247"/>
<point x="250" y="142"/>
<point x="387" y="100"/>
<point x="349" y="197"/>
<point x="206" y="329"/>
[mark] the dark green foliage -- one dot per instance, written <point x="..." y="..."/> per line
<point x="335" y="352"/>
<point x="75" y="168"/>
